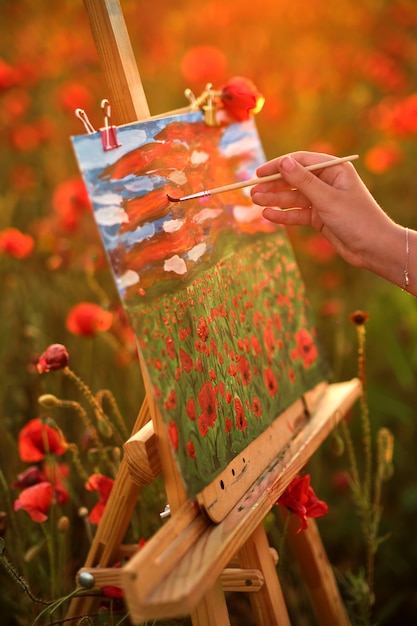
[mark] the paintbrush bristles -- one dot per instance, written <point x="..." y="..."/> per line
<point x="263" y="179"/>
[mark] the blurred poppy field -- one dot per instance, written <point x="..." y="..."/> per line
<point x="336" y="77"/>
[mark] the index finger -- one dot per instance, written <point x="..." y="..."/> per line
<point x="303" y="157"/>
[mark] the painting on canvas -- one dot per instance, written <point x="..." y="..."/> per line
<point x="212" y="290"/>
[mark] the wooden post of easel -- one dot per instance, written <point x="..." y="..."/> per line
<point x="237" y="534"/>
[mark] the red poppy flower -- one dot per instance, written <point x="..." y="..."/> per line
<point x="383" y="157"/>
<point x="208" y="403"/>
<point x="186" y="361"/>
<point x="241" y="99"/>
<point x="9" y="75"/>
<point x="55" y="357"/>
<point x="202" y="329"/>
<point x="170" y="347"/>
<point x="70" y="199"/>
<point x="203" y="424"/>
<point x="37" y="439"/>
<point x="190" y="408"/>
<point x="300" y="499"/>
<point x="73" y="95"/>
<point x="36" y="501"/>
<point x="228" y="424"/>
<point x="88" y="319"/>
<point x="173" y="434"/>
<point x="171" y="401"/>
<point x="269" y="339"/>
<point x="112" y="592"/>
<point x="104" y="485"/>
<point x="55" y="473"/>
<point x="320" y="249"/>
<point x="204" y="63"/>
<point x="31" y="476"/>
<point x="306" y="349"/>
<point x="244" y="369"/>
<point x="257" y="407"/>
<point x="15" y="243"/>
<point x="241" y="422"/>
<point x="191" y="449"/>
<point x="271" y="382"/>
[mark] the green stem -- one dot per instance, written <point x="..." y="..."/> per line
<point x="281" y="547"/>
<point x="13" y="573"/>
<point x="49" y="538"/>
<point x="107" y="394"/>
<point x="92" y="400"/>
<point x="351" y="455"/>
<point x="11" y="518"/>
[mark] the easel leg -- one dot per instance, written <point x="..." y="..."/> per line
<point x="212" y="610"/>
<point x="308" y="550"/>
<point x="268" y="604"/>
<point x="113" y="526"/>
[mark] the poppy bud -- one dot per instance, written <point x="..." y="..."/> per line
<point x="55" y="357"/>
<point x="359" y="318"/>
<point x="64" y="524"/>
<point x="48" y="401"/>
<point x="385" y="444"/>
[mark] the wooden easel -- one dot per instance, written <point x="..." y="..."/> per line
<point x="191" y="561"/>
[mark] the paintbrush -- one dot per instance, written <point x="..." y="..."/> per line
<point x="262" y="179"/>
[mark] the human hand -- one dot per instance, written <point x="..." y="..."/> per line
<point x="333" y="201"/>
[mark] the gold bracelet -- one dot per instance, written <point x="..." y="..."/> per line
<point x="407" y="251"/>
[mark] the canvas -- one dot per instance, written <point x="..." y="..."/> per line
<point x="212" y="290"/>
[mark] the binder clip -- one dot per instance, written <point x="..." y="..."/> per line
<point x="108" y="133"/>
<point x="82" y="115"/>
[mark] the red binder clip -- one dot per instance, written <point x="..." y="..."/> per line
<point x="108" y="133"/>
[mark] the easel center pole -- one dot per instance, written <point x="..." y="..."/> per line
<point x="111" y="38"/>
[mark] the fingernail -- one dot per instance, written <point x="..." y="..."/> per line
<point x="287" y="164"/>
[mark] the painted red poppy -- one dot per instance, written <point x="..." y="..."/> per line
<point x="191" y="449"/>
<point x="270" y="382"/>
<point x="104" y="485"/>
<point x="88" y="319"/>
<point x="186" y="361"/>
<point x="190" y="408"/>
<point x="36" y="501"/>
<point x="171" y="401"/>
<point x="256" y="407"/>
<point x="170" y="346"/>
<point x="202" y="329"/>
<point x="208" y="403"/>
<point x="173" y="434"/>
<point x="37" y="440"/>
<point x="306" y="348"/>
<point x="240" y="420"/>
<point x="15" y="243"/>
<point x="299" y="498"/>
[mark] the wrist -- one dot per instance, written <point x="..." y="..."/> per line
<point x="390" y="253"/>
